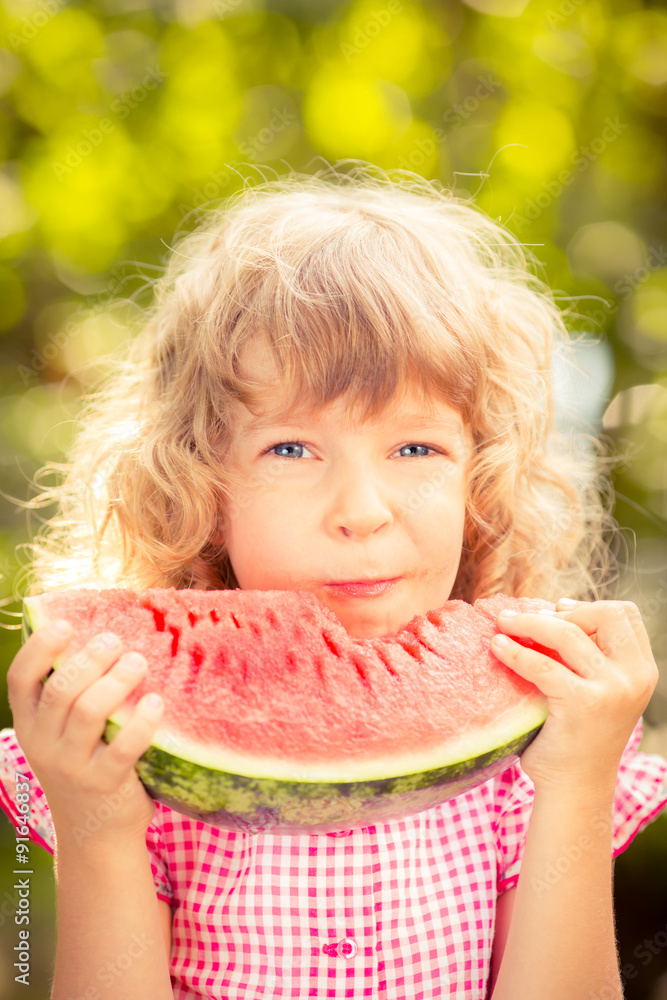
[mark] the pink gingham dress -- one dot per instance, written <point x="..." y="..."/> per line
<point x="404" y="909"/>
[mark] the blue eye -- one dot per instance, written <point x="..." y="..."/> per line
<point x="285" y="444"/>
<point x="426" y="447"/>
<point x="300" y="444"/>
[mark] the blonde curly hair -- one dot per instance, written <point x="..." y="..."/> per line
<point x="361" y="282"/>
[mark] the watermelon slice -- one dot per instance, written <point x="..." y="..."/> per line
<point x="276" y="718"/>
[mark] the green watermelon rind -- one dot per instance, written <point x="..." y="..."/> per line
<point x="236" y="801"/>
<point x="251" y="803"/>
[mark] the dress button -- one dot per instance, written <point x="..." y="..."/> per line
<point x="347" y="948"/>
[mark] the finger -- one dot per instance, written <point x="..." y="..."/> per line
<point x="30" y="665"/>
<point x="565" y="606"/>
<point x="574" y="647"/>
<point x="68" y="681"/>
<point x="131" y="741"/>
<point x="618" y="624"/>
<point x="553" y="679"/>
<point x="635" y="618"/>
<point x="89" y="713"/>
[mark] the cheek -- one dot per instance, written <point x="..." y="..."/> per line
<point x="262" y="525"/>
<point x="442" y="494"/>
<point x="266" y="546"/>
<point x="438" y="524"/>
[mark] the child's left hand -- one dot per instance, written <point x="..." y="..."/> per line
<point x="595" y="701"/>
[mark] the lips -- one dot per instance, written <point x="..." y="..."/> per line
<point x="363" y="588"/>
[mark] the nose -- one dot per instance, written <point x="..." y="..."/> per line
<point x="361" y="505"/>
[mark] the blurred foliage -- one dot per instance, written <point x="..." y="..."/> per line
<point x="119" y="119"/>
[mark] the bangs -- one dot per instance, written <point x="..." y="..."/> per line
<point x="358" y="315"/>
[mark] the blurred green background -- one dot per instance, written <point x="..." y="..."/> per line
<point x="120" y="119"/>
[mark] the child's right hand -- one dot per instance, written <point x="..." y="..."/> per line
<point x="92" y="789"/>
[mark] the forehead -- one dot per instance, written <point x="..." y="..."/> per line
<point x="273" y="406"/>
<point x="394" y="415"/>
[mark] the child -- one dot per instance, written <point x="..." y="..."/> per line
<point x="344" y="378"/>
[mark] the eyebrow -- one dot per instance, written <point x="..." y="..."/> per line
<point x="412" y="419"/>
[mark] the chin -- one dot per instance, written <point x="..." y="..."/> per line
<point x="371" y="626"/>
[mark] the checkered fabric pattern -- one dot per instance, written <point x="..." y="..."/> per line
<point x="404" y="909"/>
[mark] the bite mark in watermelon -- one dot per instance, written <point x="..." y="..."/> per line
<point x="277" y="719"/>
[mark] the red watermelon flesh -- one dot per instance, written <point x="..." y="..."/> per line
<point x="271" y="682"/>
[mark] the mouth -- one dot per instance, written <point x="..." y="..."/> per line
<point x="363" y="588"/>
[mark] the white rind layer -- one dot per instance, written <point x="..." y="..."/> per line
<point x="516" y="722"/>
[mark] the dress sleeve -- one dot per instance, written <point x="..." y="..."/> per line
<point x="640" y="795"/>
<point x="514" y="803"/>
<point x="35" y="815"/>
<point x="158" y="855"/>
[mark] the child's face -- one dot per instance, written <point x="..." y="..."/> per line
<point x="355" y="502"/>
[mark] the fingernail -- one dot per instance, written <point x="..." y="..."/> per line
<point x="61" y="628"/>
<point x="508" y="614"/>
<point x="109" y="640"/>
<point x="546" y="611"/>
<point x="567" y="601"/>
<point x="501" y="640"/>
<point x="153" y="702"/>
<point x="135" y="661"/>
